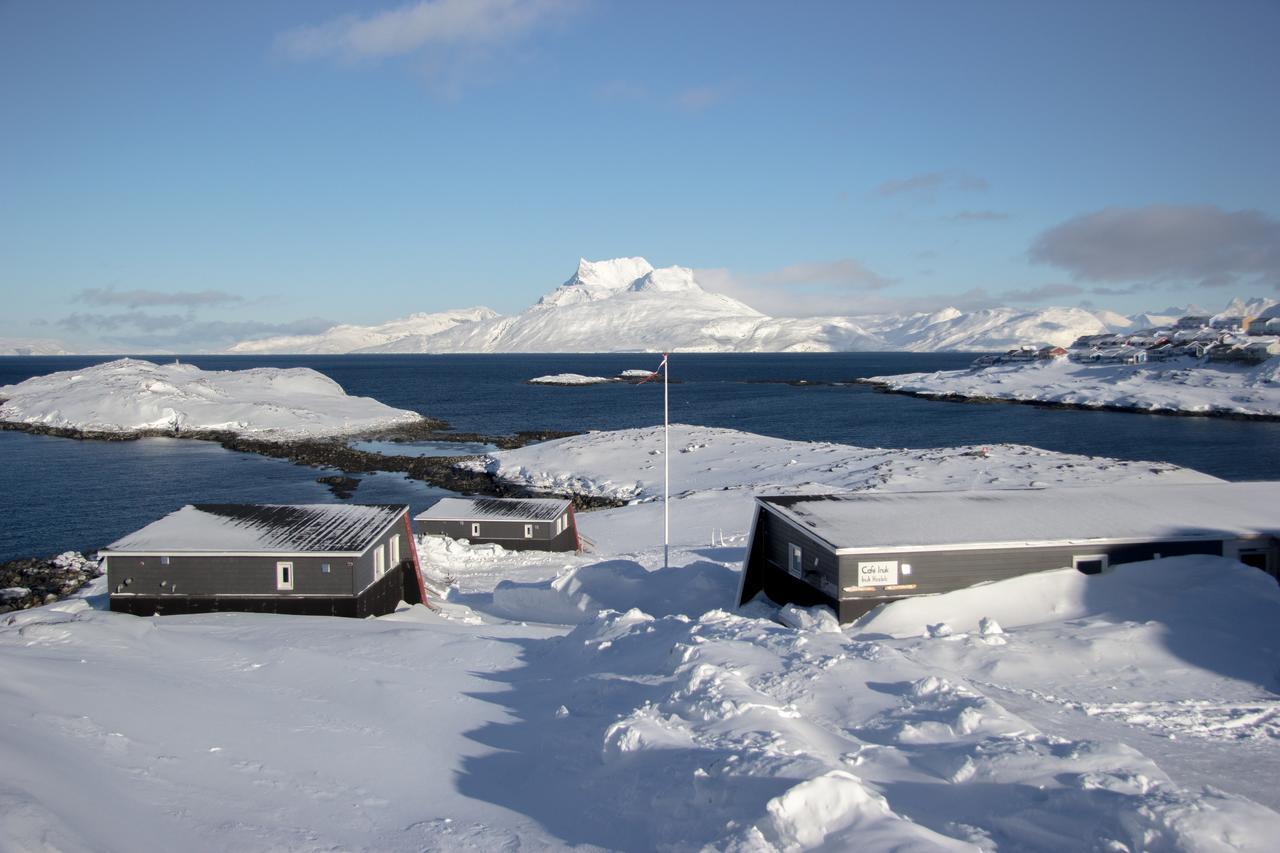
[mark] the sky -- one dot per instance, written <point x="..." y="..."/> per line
<point x="183" y="173"/>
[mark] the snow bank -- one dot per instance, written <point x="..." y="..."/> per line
<point x="129" y="395"/>
<point x="1168" y="387"/>
<point x="627" y="465"/>
<point x="569" y="379"/>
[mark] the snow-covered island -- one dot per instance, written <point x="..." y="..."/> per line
<point x="135" y="397"/>
<point x="570" y="380"/>
<point x="601" y="701"/>
<point x="1182" y="386"/>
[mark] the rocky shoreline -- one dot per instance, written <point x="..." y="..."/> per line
<point x="885" y="388"/>
<point x="35" y="581"/>
<point x="336" y="453"/>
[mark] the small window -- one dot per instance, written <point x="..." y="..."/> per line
<point x="325" y="568"/>
<point x="528" y="531"/>
<point x="164" y="561"/>
<point x="379" y="562"/>
<point x="475" y="528"/>
<point x="1090" y="564"/>
<point x="284" y="576"/>
<point x="795" y="561"/>
<point x="394" y="544"/>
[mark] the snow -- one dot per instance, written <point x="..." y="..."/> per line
<point x="213" y="528"/>
<point x="32" y="346"/>
<point x="569" y="379"/>
<point x="130" y="395"/>
<point x="599" y="701"/>
<point x="399" y="335"/>
<point x="1175" y="511"/>
<point x="1175" y="386"/>
<point x="626" y="304"/>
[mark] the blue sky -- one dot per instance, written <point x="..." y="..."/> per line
<point x="211" y="171"/>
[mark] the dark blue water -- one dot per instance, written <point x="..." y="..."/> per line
<point x="100" y="484"/>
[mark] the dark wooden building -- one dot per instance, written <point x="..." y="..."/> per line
<point x="854" y="551"/>
<point x="324" y="559"/>
<point x="519" y="524"/>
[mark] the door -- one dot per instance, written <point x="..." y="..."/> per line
<point x="284" y="576"/>
<point x="1253" y="553"/>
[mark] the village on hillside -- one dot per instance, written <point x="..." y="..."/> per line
<point x="1223" y="338"/>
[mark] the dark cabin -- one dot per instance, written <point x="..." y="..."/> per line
<point x="518" y="524"/>
<point x="319" y="559"/>
<point x="852" y="552"/>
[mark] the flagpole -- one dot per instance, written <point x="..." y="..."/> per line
<point x="666" y="468"/>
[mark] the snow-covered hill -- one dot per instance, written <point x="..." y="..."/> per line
<point x="348" y="338"/>
<point x="991" y="329"/>
<point x="626" y="304"/>
<point x="32" y="346"/>
<point x="129" y="396"/>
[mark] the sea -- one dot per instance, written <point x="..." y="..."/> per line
<point x="60" y="494"/>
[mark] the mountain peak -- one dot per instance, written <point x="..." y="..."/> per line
<point x="598" y="280"/>
<point x="665" y="280"/>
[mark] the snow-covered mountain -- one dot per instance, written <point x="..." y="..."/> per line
<point x="32" y="346"/>
<point x="347" y="338"/>
<point x="625" y="304"/>
<point x="989" y="329"/>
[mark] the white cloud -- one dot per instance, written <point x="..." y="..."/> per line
<point x="410" y="28"/>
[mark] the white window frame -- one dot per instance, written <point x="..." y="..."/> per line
<point x="1077" y="559"/>
<point x="394" y="544"/>
<point x="379" y="562"/>
<point x="795" y="560"/>
<point x="164" y="560"/>
<point x="285" y="575"/>
<point x="528" y="531"/>
<point x="475" y="528"/>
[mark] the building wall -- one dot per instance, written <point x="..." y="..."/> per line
<point x="767" y="565"/>
<point x="943" y="571"/>
<point x="508" y="534"/>
<point x="931" y="571"/>
<point x="207" y="575"/>
<point x="379" y="599"/>
<point x="364" y="566"/>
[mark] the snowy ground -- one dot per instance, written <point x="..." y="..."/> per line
<point x="130" y="395"/>
<point x="601" y="701"/>
<point x="1176" y="386"/>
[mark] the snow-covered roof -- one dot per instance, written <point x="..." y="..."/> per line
<point x="263" y="529"/>
<point x="884" y="521"/>
<point x="494" y="509"/>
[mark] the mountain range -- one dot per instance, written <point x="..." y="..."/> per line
<point x="625" y="304"/>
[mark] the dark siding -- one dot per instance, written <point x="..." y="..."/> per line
<point x="255" y="575"/>
<point x="767" y="567"/>
<point x="379" y="599"/>
<point x="508" y="534"/>
<point x="364" y="569"/>
<point x="943" y="571"/>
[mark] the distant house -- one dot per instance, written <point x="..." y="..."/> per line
<point x="1122" y="355"/>
<point x="319" y="559"/>
<point x="1199" y="349"/>
<point x="1229" y="322"/>
<point x="1192" y="321"/>
<point x="852" y="552"/>
<point x="518" y="524"/>
<point x="1051" y="353"/>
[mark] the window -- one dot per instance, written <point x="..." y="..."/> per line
<point x="795" y="561"/>
<point x="528" y="531"/>
<point x="395" y="549"/>
<point x="1090" y="564"/>
<point x="475" y="528"/>
<point x="325" y="568"/>
<point x="379" y="562"/>
<point x="164" y="561"/>
<point x="284" y="576"/>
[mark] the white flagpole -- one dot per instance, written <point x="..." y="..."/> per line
<point x="666" y="469"/>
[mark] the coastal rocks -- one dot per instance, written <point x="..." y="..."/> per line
<point x="341" y="485"/>
<point x="31" y="582"/>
